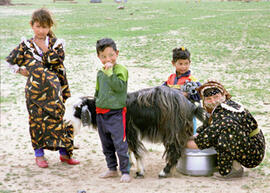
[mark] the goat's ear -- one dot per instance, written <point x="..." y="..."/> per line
<point x="86" y="116"/>
<point x="77" y="112"/>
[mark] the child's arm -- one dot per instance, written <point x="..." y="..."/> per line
<point x="16" y="60"/>
<point x="118" y="78"/>
<point x="194" y="97"/>
<point x="16" y="57"/>
<point x="97" y="89"/>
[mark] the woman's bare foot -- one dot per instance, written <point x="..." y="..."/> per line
<point x="109" y="174"/>
<point x="125" y="178"/>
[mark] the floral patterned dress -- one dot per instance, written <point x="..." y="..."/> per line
<point x="231" y="133"/>
<point x="46" y="91"/>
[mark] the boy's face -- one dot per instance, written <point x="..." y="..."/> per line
<point x="109" y="55"/>
<point x="181" y="65"/>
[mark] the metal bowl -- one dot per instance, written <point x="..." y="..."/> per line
<point x="197" y="162"/>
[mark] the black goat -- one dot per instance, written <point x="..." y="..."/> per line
<point x="158" y="114"/>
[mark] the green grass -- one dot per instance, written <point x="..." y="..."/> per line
<point x="5" y="191"/>
<point x="211" y="30"/>
<point x="7" y="99"/>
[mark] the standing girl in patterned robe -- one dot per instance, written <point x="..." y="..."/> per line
<point x="40" y="59"/>
<point x="231" y="130"/>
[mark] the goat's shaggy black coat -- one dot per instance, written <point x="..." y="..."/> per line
<point x="158" y="114"/>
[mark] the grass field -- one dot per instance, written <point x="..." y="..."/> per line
<point x="228" y="41"/>
<point x="230" y="38"/>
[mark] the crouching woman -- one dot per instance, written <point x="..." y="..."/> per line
<point x="231" y="130"/>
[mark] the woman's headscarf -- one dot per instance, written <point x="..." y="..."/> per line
<point x="210" y="88"/>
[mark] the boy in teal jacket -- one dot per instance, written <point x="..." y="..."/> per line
<point x="111" y="95"/>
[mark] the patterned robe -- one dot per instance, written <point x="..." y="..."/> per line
<point x="46" y="91"/>
<point x="230" y="132"/>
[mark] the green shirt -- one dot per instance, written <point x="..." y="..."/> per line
<point x="111" y="87"/>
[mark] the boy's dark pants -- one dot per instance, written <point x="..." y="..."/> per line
<point x="111" y="127"/>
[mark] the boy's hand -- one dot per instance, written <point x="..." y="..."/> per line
<point x="108" y="65"/>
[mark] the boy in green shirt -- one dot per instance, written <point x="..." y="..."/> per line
<point x="111" y="95"/>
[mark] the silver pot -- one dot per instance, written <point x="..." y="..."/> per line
<point x="197" y="162"/>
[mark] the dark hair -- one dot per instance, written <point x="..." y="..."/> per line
<point x="44" y="18"/>
<point x="180" y="53"/>
<point x="102" y="44"/>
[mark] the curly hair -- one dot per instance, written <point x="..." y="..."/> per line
<point x="180" y="53"/>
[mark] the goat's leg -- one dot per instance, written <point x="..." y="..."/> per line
<point x="140" y="168"/>
<point x="172" y="157"/>
<point x="139" y="164"/>
<point x="136" y="147"/>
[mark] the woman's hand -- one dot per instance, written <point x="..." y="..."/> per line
<point x="192" y="145"/>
